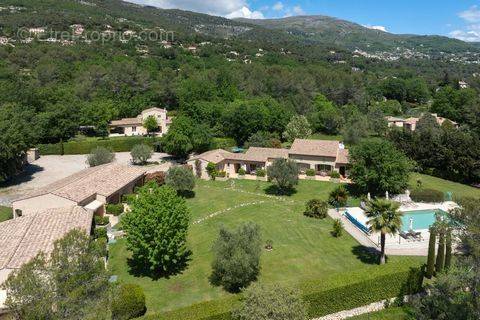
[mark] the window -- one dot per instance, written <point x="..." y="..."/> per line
<point x="324" y="167"/>
<point x="134" y="129"/>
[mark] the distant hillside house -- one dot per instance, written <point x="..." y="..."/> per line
<point x="320" y="155"/>
<point x="134" y="126"/>
<point x="411" y="123"/>
<point x="91" y="189"/>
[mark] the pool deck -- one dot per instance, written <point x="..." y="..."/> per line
<point x="394" y="244"/>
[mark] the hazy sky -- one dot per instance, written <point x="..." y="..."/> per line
<point x="454" y="18"/>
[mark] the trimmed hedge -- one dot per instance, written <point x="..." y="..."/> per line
<point x="427" y="195"/>
<point x="364" y="292"/>
<point x="121" y="144"/>
<point x="129" y="302"/>
<point x="321" y="300"/>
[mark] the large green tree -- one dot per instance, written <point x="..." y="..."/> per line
<point x="377" y="166"/>
<point x="17" y="136"/>
<point x="284" y="173"/>
<point x="237" y="257"/>
<point x="157" y="229"/>
<point x="384" y="218"/>
<point x="71" y="283"/>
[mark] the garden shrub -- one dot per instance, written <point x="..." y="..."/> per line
<point x="128" y="302"/>
<point x="221" y="174"/>
<point x="316" y="208"/>
<point x="338" y="197"/>
<point x="158" y="177"/>
<point x="212" y="170"/>
<point x="427" y="195"/>
<point x="241" y="172"/>
<point x="128" y="198"/>
<point x="261" y="173"/>
<point x="335" y="175"/>
<point x="337" y="228"/>
<point x="141" y="153"/>
<point x="99" y="156"/>
<point x="115" y="209"/>
<point x="310" y="172"/>
<point x="101" y="221"/>
<point x="100" y="233"/>
<point x="180" y="178"/>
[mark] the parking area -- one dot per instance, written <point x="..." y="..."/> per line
<point x="48" y="169"/>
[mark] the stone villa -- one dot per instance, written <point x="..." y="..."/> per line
<point x="134" y="126"/>
<point x="411" y="123"/>
<point x="320" y="155"/>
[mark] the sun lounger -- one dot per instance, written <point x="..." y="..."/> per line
<point x="405" y="235"/>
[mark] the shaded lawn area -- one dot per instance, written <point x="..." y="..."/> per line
<point x="6" y="213"/>
<point x="458" y="189"/>
<point x="304" y="250"/>
<point x="393" y="313"/>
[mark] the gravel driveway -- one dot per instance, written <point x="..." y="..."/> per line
<point x="49" y="169"/>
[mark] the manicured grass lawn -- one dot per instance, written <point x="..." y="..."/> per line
<point x="304" y="250"/>
<point x="387" y="314"/>
<point x="458" y="189"/>
<point x="6" y="213"/>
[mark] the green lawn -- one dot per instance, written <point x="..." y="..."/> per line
<point x="304" y="250"/>
<point x="387" y="314"/>
<point x="458" y="189"/>
<point x="6" y="213"/>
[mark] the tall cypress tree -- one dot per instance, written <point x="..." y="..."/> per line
<point x="431" y="254"/>
<point x="440" y="263"/>
<point x="448" y="250"/>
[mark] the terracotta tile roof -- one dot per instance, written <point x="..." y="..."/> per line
<point x="126" y="122"/>
<point x="342" y="156"/>
<point x="214" y="156"/>
<point x="23" y="238"/>
<point x="103" y="180"/>
<point x="263" y="154"/>
<point x="319" y="148"/>
<point x="154" y="109"/>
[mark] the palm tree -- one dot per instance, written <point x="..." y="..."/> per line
<point x="385" y="218"/>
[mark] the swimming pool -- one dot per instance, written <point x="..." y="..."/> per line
<point x="420" y="219"/>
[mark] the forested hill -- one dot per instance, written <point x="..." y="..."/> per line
<point x="332" y="31"/>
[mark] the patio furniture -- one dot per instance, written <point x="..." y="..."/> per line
<point x="405" y="235"/>
<point x="418" y="236"/>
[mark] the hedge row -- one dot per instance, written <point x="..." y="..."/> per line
<point x="320" y="301"/>
<point x="120" y="144"/>
<point x="123" y="144"/>
<point x="427" y="195"/>
<point x="364" y="292"/>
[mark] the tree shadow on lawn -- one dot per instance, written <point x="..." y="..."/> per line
<point x="140" y="269"/>
<point x="276" y="191"/>
<point x="366" y="255"/>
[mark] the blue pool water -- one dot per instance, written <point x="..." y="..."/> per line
<point x="422" y="219"/>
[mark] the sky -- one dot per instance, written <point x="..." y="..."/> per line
<point x="454" y="18"/>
